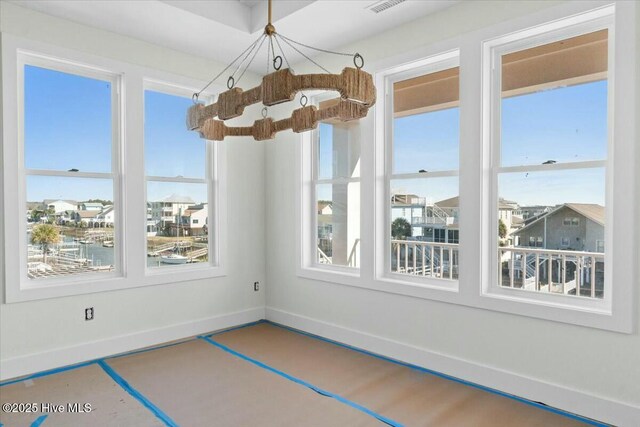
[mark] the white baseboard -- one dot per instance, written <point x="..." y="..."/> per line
<point x="587" y="405"/>
<point x="37" y="362"/>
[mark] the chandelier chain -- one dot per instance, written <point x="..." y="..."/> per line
<point x="308" y="59"/>
<point x="252" y="58"/>
<point x="253" y="48"/>
<point x="197" y="94"/>
<point x="315" y="48"/>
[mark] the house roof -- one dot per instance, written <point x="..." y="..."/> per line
<point x="591" y="211"/>
<point x="454" y="202"/>
<point x="88" y="214"/>
<point x="175" y="198"/>
<point x="49" y="201"/>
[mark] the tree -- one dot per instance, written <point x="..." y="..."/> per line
<point x="44" y="235"/>
<point x="400" y="228"/>
<point x="502" y="229"/>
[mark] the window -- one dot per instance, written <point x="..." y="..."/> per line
<point x="422" y="157"/>
<point x="177" y="164"/>
<point x="551" y="139"/>
<point x="70" y="139"/>
<point x="336" y="187"/>
<point x="74" y="173"/>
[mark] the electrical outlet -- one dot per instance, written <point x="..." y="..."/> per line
<point x="88" y="313"/>
<point x="256" y="286"/>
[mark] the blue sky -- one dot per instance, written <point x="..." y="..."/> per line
<point x="68" y="125"/>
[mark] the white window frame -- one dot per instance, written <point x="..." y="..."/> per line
<point x="308" y="212"/>
<point x="474" y="173"/>
<point x="129" y="179"/>
<point x="211" y="153"/>
<point x="384" y="149"/>
<point x="610" y="312"/>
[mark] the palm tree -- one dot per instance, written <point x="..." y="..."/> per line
<point x="400" y="228"/>
<point x="44" y="235"/>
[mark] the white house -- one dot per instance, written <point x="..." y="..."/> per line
<point x="60" y="206"/>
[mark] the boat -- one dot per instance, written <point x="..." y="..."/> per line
<point x="107" y="243"/>
<point x="86" y="242"/>
<point x="173" y="259"/>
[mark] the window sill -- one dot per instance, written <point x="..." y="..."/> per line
<point x="334" y="274"/>
<point x="82" y="285"/>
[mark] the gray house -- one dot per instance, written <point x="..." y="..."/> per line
<point x="572" y="226"/>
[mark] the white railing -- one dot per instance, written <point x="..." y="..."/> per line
<point x="323" y="258"/>
<point x="553" y="271"/>
<point x="426" y="259"/>
<point x="353" y="256"/>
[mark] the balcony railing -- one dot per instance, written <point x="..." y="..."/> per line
<point x="552" y="271"/>
<point x="426" y="259"/>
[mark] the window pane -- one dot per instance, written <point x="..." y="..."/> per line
<point x="67" y="121"/>
<point x="425" y="227"/>
<point x="170" y="149"/>
<point x="70" y="226"/>
<point x="426" y="127"/>
<point x="554" y="102"/>
<point x="338" y="221"/>
<point x="563" y="238"/>
<point x="177" y="223"/>
<point x="338" y="150"/>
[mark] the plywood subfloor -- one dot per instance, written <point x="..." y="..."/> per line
<point x="403" y="394"/>
<point x="197" y="384"/>
<point x="111" y="405"/>
<point x="265" y="375"/>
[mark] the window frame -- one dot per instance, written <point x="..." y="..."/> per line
<point x="307" y="153"/>
<point x="439" y="62"/>
<point x="474" y="171"/>
<point x="209" y="179"/>
<point x="130" y="181"/>
<point x="493" y="51"/>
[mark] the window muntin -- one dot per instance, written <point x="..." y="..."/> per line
<point x="553" y="152"/>
<point x="336" y="194"/>
<point x="70" y="144"/>
<point x="423" y="185"/>
<point x="178" y="206"/>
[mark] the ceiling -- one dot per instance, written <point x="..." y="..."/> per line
<point x="221" y="30"/>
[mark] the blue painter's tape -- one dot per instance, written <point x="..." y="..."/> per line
<point x="47" y="373"/>
<point x="447" y="377"/>
<point x="39" y="420"/>
<point x="302" y="382"/>
<point x="137" y="395"/>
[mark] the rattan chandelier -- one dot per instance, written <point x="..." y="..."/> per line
<point x="355" y="86"/>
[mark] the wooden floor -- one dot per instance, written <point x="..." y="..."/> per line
<point x="263" y="375"/>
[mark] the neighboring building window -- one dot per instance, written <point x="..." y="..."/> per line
<point x="551" y="152"/>
<point x="336" y="189"/>
<point x="70" y="139"/>
<point x="177" y="164"/>
<point x="422" y="172"/>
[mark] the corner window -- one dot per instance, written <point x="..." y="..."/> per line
<point x="178" y="174"/>
<point x="70" y="140"/>
<point x="336" y="187"/>
<point x="422" y="158"/>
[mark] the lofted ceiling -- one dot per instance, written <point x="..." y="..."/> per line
<point x="220" y="30"/>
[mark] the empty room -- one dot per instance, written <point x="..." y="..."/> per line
<point x="221" y="213"/>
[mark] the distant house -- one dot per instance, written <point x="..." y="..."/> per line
<point x="164" y="212"/>
<point x="59" y="206"/>
<point x="106" y="218"/>
<point x="86" y="217"/>
<point x="572" y="226"/>
<point x="194" y="221"/>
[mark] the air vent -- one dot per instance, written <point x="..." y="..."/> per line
<point x="381" y="6"/>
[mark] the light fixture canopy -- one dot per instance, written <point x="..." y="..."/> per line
<point x="355" y="86"/>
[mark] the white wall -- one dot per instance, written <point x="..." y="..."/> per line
<point x="186" y="308"/>
<point x="595" y="362"/>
